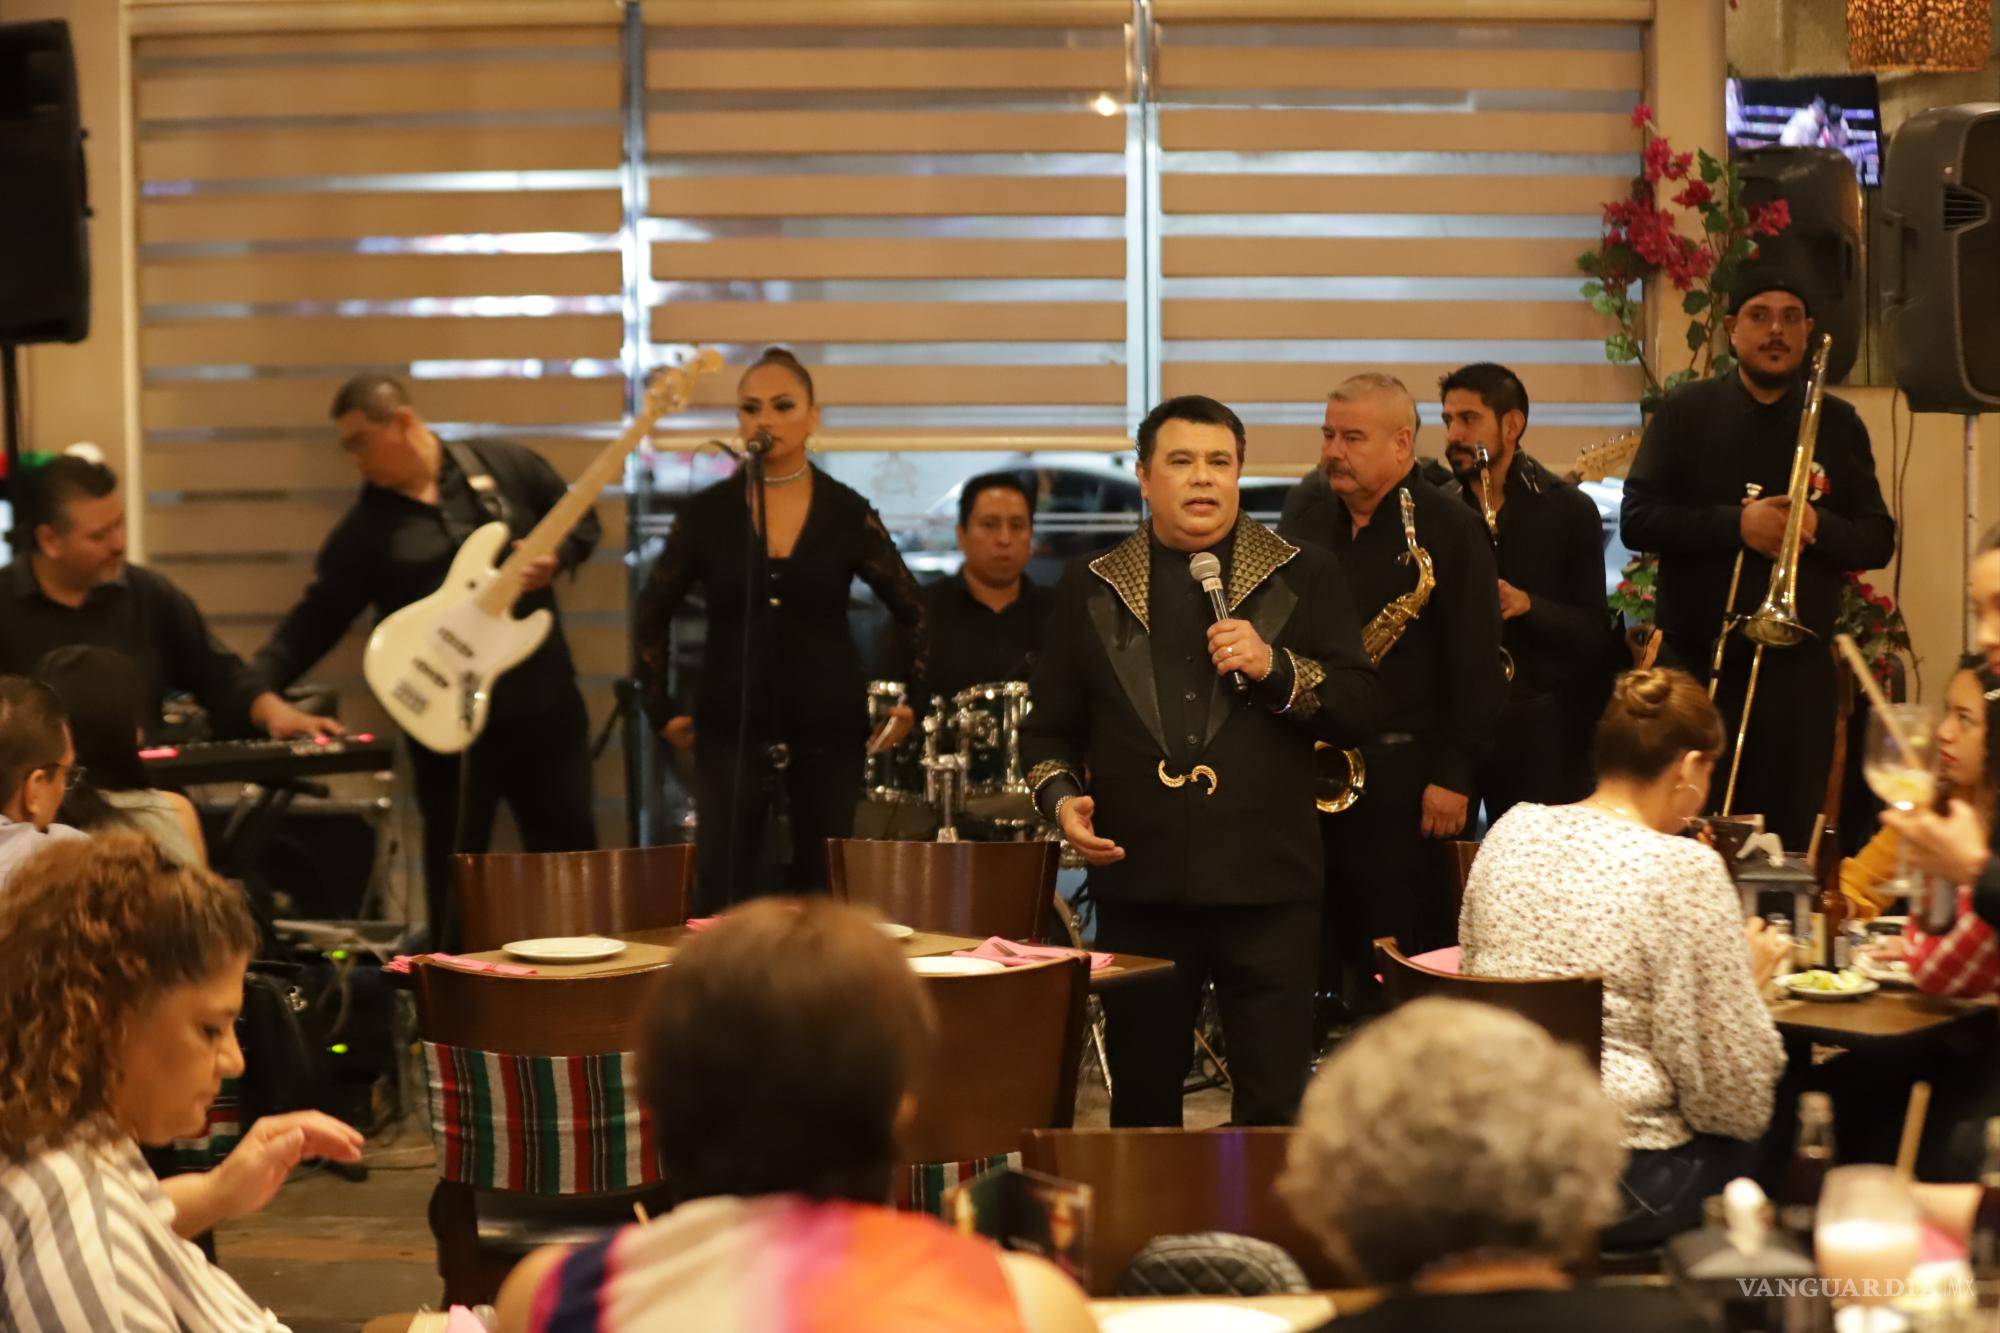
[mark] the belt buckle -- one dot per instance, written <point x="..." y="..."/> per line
<point x="1199" y="773"/>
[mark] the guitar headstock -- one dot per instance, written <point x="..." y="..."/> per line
<point x="1602" y="459"/>
<point x="670" y="388"/>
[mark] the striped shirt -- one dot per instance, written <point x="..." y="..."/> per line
<point x="87" y="1246"/>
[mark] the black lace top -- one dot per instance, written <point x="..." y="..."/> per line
<point x="807" y="683"/>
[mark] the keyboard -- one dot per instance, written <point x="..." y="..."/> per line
<point x="266" y="761"/>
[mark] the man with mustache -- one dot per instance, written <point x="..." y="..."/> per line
<point x="1549" y="544"/>
<point x="1686" y="501"/>
<point x="1442" y="683"/>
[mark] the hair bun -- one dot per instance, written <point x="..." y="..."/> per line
<point x="1644" y="694"/>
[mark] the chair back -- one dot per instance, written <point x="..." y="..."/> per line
<point x="1159" y="1182"/>
<point x="1461" y="852"/>
<point x="950" y="888"/>
<point x="1570" y="1009"/>
<point x="527" y="895"/>
<point x="1009" y="1046"/>
<point x="530" y="1015"/>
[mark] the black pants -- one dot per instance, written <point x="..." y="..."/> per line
<point x="739" y="853"/>
<point x="1790" y="745"/>
<point x="1541" y="757"/>
<point x="1262" y="961"/>
<point x="1383" y="876"/>
<point x="539" y="764"/>
<point x="1662" y="1190"/>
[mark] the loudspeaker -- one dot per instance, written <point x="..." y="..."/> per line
<point x="44" y="238"/>
<point x="1943" y="291"/>
<point x="1824" y="245"/>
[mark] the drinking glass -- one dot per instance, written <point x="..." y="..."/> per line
<point x="1865" y="1239"/>
<point x="1906" y="780"/>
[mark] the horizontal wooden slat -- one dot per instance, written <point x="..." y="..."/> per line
<point x="380" y="41"/>
<point x="204" y="19"/>
<point x="271" y="278"/>
<point x="999" y="439"/>
<point x="948" y="68"/>
<point x="219" y="155"/>
<point x="400" y="88"/>
<point x="281" y="527"/>
<point x="885" y="196"/>
<point x="1286" y="381"/>
<point x="290" y="403"/>
<point x="1272" y="67"/>
<point x="350" y="214"/>
<point x="268" y="589"/>
<point x="1353" y="256"/>
<point x="326" y="341"/>
<point x="1403" y="11"/>
<point x="690" y="133"/>
<point x="1291" y="130"/>
<point x="304" y="464"/>
<point x="888" y="321"/>
<point x="902" y="257"/>
<point x="1189" y="192"/>
<point x="849" y="385"/>
<point x="1279" y="447"/>
<point x="885" y="13"/>
<point x="1382" y="319"/>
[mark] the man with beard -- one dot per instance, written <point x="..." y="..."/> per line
<point x="1686" y="500"/>
<point x="1554" y="624"/>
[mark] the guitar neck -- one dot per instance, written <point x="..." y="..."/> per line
<point x="497" y="598"/>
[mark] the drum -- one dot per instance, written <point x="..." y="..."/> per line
<point x="996" y="787"/>
<point x="896" y="774"/>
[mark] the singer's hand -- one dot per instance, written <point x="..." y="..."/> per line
<point x="1234" y="646"/>
<point x="1948" y="845"/>
<point x="1081" y="833"/>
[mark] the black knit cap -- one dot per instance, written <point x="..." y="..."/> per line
<point x="1757" y="279"/>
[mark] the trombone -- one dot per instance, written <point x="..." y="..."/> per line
<point x="1750" y="492"/>
<point x="1775" y="623"/>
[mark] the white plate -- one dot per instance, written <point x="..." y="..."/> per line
<point x="1827" y="996"/>
<point x="1194" y="1318"/>
<point x="566" y="949"/>
<point x="1896" y="975"/>
<point x="894" y="931"/>
<point x="945" y="965"/>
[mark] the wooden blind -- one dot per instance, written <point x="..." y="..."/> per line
<point x="441" y="204"/>
<point x="1390" y="196"/>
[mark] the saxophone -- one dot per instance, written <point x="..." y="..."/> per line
<point x="1343" y="773"/>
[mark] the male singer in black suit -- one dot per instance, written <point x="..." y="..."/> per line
<point x="1549" y="543"/>
<point x="1188" y="791"/>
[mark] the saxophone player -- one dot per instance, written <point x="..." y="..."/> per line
<point x="1684" y="500"/>
<point x="1442" y="683"/>
<point x="1174" y="748"/>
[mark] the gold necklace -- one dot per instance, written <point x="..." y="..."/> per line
<point x="789" y="477"/>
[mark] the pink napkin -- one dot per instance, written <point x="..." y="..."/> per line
<point x="1440" y="960"/>
<point x="1935" y="1246"/>
<point x="700" y="923"/>
<point x="402" y="961"/>
<point x="1022" y="954"/>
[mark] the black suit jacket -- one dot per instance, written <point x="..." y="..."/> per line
<point x="1251" y="836"/>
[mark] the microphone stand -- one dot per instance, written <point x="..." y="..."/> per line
<point x="756" y="598"/>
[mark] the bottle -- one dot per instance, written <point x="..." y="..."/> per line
<point x="1985" y="1249"/>
<point x="1812" y="1158"/>
<point x="1940" y="899"/>
<point x="1830" y="948"/>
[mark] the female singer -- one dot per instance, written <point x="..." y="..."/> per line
<point x="780" y="722"/>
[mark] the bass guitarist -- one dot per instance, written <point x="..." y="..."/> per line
<point x="420" y="499"/>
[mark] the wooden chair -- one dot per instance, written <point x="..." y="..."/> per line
<point x="951" y="888"/>
<point x="1570" y="1009"/>
<point x="1006" y="1060"/>
<point x="1165" y="1182"/>
<point x="482" y="1233"/>
<point x="1461" y="852"/>
<point x="526" y="895"/>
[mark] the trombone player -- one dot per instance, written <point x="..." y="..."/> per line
<point x="1686" y="500"/>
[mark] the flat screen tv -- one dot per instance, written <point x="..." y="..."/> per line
<point x="1820" y="111"/>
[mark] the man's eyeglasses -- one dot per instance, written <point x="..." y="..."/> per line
<point x="72" y="774"/>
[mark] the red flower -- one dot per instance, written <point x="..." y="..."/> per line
<point x="1642" y="116"/>
<point x="1771" y="218"/>
<point x="1694" y="194"/>
<point x="1657" y="154"/>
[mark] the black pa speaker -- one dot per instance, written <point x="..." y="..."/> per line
<point x="1825" y="242"/>
<point x="1940" y="183"/>
<point x="44" y="240"/>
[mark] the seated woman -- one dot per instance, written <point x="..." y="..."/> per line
<point x="776" y="1057"/>
<point x="36" y="765"/>
<point x="1459" y="1156"/>
<point x="118" y="1035"/>
<point x="101" y="691"/>
<point x="1605" y="887"/>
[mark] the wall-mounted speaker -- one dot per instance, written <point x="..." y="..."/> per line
<point x="44" y="208"/>
<point x="1942" y="288"/>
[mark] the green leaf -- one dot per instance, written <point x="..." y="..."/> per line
<point x="1678" y="378"/>
<point x="1621" y="347"/>
<point x="1739" y="216"/>
<point x="1592" y="288"/>
<point x="1604" y="303"/>
<point x="1711" y="170"/>
<point x="1694" y="302"/>
<point x="1724" y="364"/>
<point x="1697" y="336"/>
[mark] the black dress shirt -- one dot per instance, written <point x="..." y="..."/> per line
<point x="971" y="643"/>
<point x="1551" y="548"/>
<point x="145" y="617"/>
<point x="1684" y="501"/>
<point x="390" y="550"/>
<point x="1442" y="679"/>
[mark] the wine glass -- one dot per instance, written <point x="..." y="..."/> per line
<point x="1905" y="779"/>
<point x="1865" y="1238"/>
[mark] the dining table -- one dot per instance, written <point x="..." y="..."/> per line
<point x="1881" y="1018"/>
<point x="655" y="947"/>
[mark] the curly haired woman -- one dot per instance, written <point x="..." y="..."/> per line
<point x="118" y="1033"/>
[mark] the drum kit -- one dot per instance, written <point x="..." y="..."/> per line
<point x="964" y="765"/>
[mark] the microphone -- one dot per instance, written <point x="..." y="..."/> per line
<point x="1206" y="570"/>
<point x="759" y="444"/>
